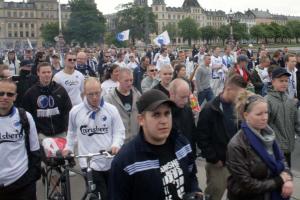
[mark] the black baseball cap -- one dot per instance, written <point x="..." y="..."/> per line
<point x="152" y="99"/>
<point x="279" y="71"/>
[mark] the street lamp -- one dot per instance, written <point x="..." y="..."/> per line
<point x="60" y="40"/>
<point x="231" y="41"/>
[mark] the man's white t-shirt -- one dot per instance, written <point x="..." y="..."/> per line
<point x="73" y="83"/>
<point x="14" y="159"/>
<point x="162" y="61"/>
<point x="108" y="85"/>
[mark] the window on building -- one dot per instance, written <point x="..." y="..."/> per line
<point x="21" y="25"/>
<point x="15" y="14"/>
<point x="42" y="6"/>
<point x="163" y="16"/>
<point x="27" y="34"/>
<point x="31" y="14"/>
<point x="26" y="25"/>
<point x="16" y="34"/>
<point x="9" y="34"/>
<point x="21" y="34"/>
<point x="15" y="25"/>
<point x="26" y="14"/>
<point x="21" y="14"/>
<point x="179" y="40"/>
<point x="169" y="16"/>
<point x="32" y="25"/>
<point x="156" y="8"/>
<point x="32" y="34"/>
<point x="42" y="15"/>
<point x="8" y="14"/>
<point x="9" y="25"/>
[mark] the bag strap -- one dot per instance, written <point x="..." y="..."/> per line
<point x="25" y="128"/>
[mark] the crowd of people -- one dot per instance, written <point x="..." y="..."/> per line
<point x="140" y="105"/>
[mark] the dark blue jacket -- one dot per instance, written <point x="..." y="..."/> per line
<point x="135" y="171"/>
<point x="138" y="75"/>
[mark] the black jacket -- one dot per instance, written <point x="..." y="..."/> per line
<point x="212" y="132"/>
<point x="250" y="177"/>
<point x="257" y="82"/>
<point x="184" y="122"/>
<point x="135" y="171"/>
<point x="49" y="107"/>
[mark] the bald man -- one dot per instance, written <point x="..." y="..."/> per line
<point x="183" y="117"/>
<point x="82" y="66"/>
<point x="98" y="126"/>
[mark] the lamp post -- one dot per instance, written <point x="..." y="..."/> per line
<point x="60" y="41"/>
<point x="231" y="20"/>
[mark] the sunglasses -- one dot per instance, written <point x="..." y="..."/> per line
<point x="8" y="94"/>
<point x="153" y="70"/>
<point x="72" y="60"/>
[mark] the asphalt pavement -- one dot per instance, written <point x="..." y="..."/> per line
<point x="78" y="185"/>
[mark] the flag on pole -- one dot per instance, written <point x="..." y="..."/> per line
<point x="162" y="39"/>
<point x="29" y="43"/>
<point x="123" y="36"/>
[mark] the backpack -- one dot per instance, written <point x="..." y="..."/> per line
<point x="34" y="159"/>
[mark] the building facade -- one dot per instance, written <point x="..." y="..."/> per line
<point x="20" y="21"/>
<point x="191" y="8"/>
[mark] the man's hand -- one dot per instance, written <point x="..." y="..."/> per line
<point x="287" y="189"/>
<point x="114" y="150"/>
<point x="219" y="164"/>
<point x="285" y="177"/>
<point x="66" y="152"/>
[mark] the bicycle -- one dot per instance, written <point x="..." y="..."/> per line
<point x="63" y="165"/>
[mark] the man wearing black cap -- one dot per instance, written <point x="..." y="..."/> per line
<point x="283" y="117"/>
<point x="158" y="163"/>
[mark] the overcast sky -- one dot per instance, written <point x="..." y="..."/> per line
<point x="286" y="7"/>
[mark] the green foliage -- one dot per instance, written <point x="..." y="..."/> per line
<point x="208" y="33"/>
<point x="135" y="18"/>
<point x="240" y="31"/>
<point x="223" y="33"/>
<point x="86" y="23"/>
<point x="189" y="29"/>
<point x="172" y="30"/>
<point x="49" y="32"/>
<point x="294" y="26"/>
<point x="258" y="32"/>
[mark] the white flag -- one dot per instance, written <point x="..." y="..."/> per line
<point x="123" y="36"/>
<point x="162" y="39"/>
<point x="29" y="43"/>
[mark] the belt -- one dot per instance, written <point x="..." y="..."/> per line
<point x="215" y="77"/>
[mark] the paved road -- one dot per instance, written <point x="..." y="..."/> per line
<point x="78" y="187"/>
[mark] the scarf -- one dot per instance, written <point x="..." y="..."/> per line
<point x="274" y="163"/>
<point x="92" y="112"/>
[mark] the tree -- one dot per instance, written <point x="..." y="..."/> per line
<point x="140" y="21"/>
<point x="49" y="32"/>
<point x="240" y="31"/>
<point x="295" y="27"/>
<point x="172" y="30"/>
<point x="208" y="33"/>
<point x="223" y="33"/>
<point x="188" y="29"/>
<point x="257" y="32"/>
<point x="86" y="23"/>
<point x="277" y="31"/>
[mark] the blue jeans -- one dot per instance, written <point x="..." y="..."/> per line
<point x="205" y="94"/>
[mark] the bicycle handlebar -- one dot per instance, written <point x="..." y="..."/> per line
<point x="106" y="154"/>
